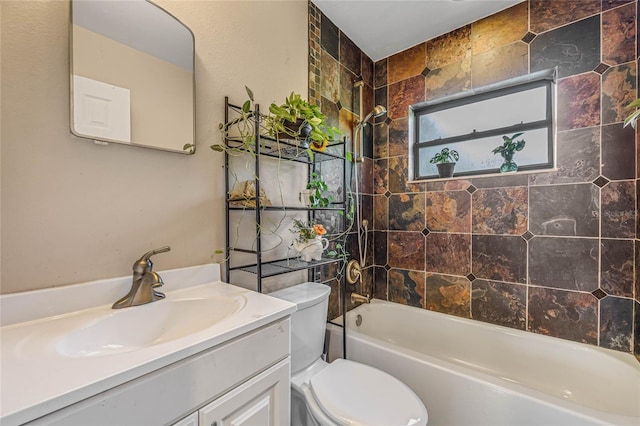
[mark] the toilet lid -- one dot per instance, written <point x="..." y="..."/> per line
<point x="356" y="394"/>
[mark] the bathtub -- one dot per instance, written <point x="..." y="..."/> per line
<point x="470" y="373"/>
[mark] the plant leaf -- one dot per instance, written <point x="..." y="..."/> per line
<point x="249" y="92"/>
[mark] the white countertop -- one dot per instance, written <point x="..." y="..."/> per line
<point x="36" y="379"/>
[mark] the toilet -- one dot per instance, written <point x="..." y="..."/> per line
<point x="343" y="392"/>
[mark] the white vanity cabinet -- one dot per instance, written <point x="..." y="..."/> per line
<point x="245" y="381"/>
<point x="263" y="400"/>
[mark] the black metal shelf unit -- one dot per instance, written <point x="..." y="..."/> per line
<point x="283" y="150"/>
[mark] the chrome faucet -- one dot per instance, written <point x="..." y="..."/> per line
<point x="144" y="281"/>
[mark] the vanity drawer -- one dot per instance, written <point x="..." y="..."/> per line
<point x="168" y="394"/>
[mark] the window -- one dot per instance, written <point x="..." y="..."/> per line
<point x="473" y="123"/>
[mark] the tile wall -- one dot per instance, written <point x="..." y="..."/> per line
<point x="554" y="253"/>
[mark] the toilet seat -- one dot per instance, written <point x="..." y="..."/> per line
<point x="351" y="393"/>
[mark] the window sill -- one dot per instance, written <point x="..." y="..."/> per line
<point x="480" y="176"/>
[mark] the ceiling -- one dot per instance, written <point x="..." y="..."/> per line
<point x="384" y="27"/>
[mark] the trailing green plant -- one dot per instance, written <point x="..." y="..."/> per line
<point x="633" y="117"/>
<point x="294" y="114"/>
<point x="318" y="187"/>
<point x="446" y="155"/>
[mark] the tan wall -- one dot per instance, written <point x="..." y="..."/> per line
<point x="74" y="211"/>
<point x="161" y="92"/>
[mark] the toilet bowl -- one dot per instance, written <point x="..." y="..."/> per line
<point x="343" y="392"/>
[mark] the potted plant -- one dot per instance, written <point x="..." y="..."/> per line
<point x="309" y="242"/>
<point x="445" y="161"/>
<point x="296" y="118"/>
<point x="315" y="196"/>
<point x="507" y="150"/>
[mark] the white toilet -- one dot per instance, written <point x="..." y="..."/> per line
<point x="343" y="392"/>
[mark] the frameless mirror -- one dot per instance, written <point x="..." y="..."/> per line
<point x="132" y="75"/>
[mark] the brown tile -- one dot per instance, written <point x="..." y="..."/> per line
<point x="448" y="185"/>
<point x="500" y="211"/>
<point x="406" y="212"/>
<point x="616" y="323"/>
<point x="329" y="36"/>
<point x="578" y="153"/>
<point x="330" y="78"/>
<point x="406" y="287"/>
<point x="330" y="109"/>
<point x="347" y="78"/>
<point x="449" y="48"/>
<point x="618" y="210"/>
<point x="499" y="303"/>
<point x="347" y="121"/>
<point x="500" y="181"/>
<point x="499" y="257"/>
<point x="406" y="64"/>
<point x="569" y="210"/>
<point x="617" y="267"/>
<point x="448" y="295"/>
<point x="565" y="314"/>
<point x="448" y="80"/>
<point x="403" y="94"/>
<point x="380" y="288"/>
<point x="398" y="175"/>
<point x="546" y="15"/>
<point x="380" y="248"/>
<point x="380" y="210"/>
<point x="579" y="101"/>
<point x="449" y="211"/>
<point x="561" y="262"/>
<point x="619" y="35"/>
<point x="448" y="253"/>
<point x="380" y="141"/>
<point x="573" y="49"/>
<point x="610" y="4"/>
<point x="380" y="176"/>
<point x="380" y="73"/>
<point x="367" y="70"/>
<point x="618" y="159"/>
<point x="334" y="310"/>
<point x="637" y="277"/>
<point x="406" y="250"/>
<point x="618" y="90"/>
<point x="366" y="176"/>
<point x="350" y="54"/>
<point x="500" y="29"/>
<point x="398" y="137"/>
<point x="500" y="63"/>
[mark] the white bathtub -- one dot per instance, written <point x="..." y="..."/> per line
<point x="470" y="373"/>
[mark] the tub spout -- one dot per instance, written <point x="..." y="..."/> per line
<point x="358" y="298"/>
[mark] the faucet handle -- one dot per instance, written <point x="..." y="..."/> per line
<point x="144" y="264"/>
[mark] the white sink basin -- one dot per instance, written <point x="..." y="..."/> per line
<point x="103" y="331"/>
<point x="67" y="344"/>
<point x="136" y="327"/>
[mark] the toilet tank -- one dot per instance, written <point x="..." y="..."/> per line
<point x="307" y="323"/>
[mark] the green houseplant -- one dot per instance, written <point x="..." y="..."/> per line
<point x="296" y="118"/>
<point x="507" y="150"/>
<point x="315" y="195"/>
<point x="445" y="161"/>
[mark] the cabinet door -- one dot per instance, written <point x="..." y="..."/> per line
<point x="190" y="420"/>
<point x="262" y="401"/>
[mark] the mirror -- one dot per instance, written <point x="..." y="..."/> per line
<point x="132" y="75"/>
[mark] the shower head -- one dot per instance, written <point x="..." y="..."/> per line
<point x="377" y="112"/>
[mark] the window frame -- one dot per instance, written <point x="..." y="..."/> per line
<point x="545" y="78"/>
